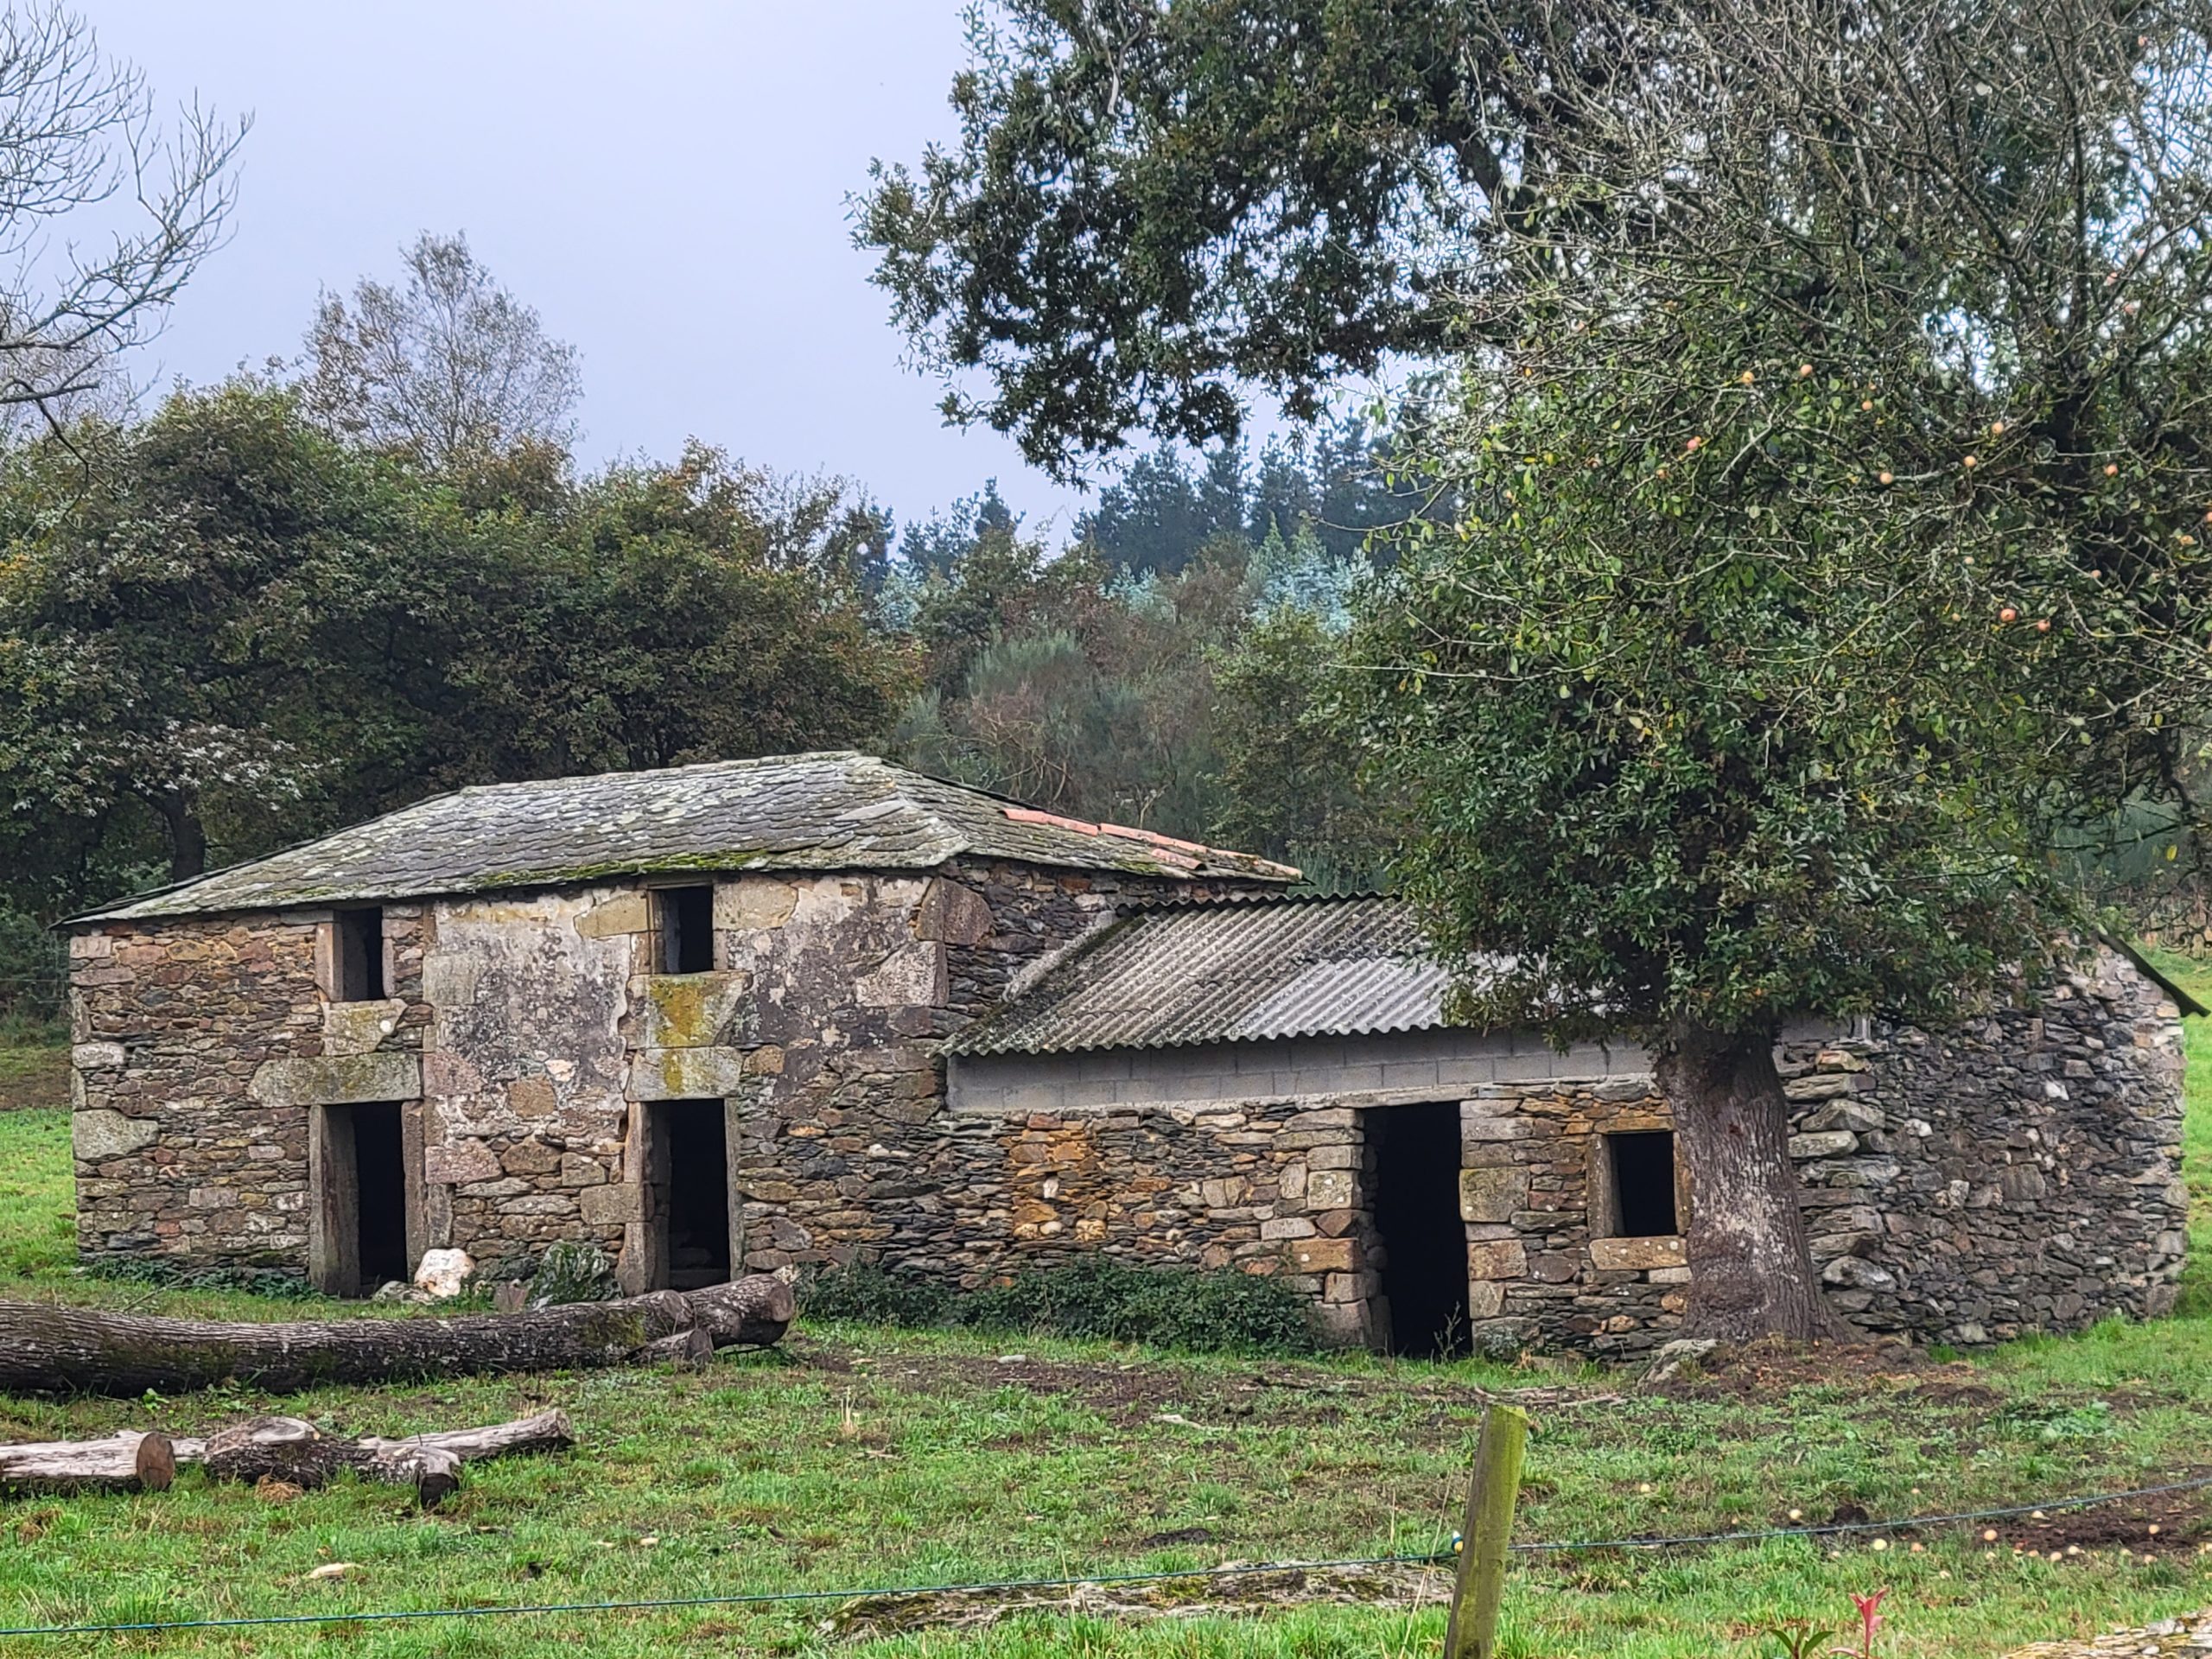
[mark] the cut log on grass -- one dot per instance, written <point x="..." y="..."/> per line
<point x="287" y="1449"/>
<point x="129" y="1462"/>
<point x="82" y="1350"/>
<point x="292" y="1450"/>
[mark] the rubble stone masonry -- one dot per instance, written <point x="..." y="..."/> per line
<point x="522" y="1036"/>
<point x="2018" y="1173"/>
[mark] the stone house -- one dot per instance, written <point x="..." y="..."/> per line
<point x="770" y="1014"/>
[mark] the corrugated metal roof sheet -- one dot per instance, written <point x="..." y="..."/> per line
<point x="1224" y="972"/>
<point x="834" y="810"/>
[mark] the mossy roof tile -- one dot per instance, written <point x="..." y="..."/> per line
<point x="833" y="810"/>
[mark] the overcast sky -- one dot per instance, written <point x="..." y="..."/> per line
<point x="664" y="180"/>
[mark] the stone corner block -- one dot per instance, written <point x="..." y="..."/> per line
<point x="1323" y="1254"/>
<point x="1492" y="1195"/>
<point x="611" y="1206"/>
<point x="695" y="1010"/>
<point x="913" y="975"/>
<point x="459" y="1164"/>
<point x="338" y="1080"/>
<point x="686" y="1073"/>
<point x="625" y="912"/>
<point x="1498" y="1259"/>
<point x="952" y="914"/>
<point x="1329" y="1189"/>
<point x="1637" y="1255"/>
<point x="98" y="1134"/>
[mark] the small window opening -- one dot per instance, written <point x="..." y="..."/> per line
<point x="687" y="930"/>
<point x="1644" y="1184"/>
<point x="359" y="967"/>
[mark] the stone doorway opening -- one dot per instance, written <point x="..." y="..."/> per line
<point x="691" y="1208"/>
<point x="357" y="1230"/>
<point x="1416" y="1209"/>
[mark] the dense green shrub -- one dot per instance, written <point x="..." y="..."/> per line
<point x="167" y="1274"/>
<point x="1095" y="1297"/>
<point x="871" y="1296"/>
<point x="1167" y="1307"/>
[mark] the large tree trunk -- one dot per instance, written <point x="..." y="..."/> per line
<point x="180" y="812"/>
<point x="86" y="1350"/>
<point x="1750" y="1273"/>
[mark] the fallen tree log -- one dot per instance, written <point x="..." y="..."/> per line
<point x="129" y="1462"/>
<point x="80" y="1350"/>
<point x="276" y="1448"/>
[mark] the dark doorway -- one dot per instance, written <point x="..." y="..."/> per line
<point x="380" y="1168"/>
<point x="357" y="1228"/>
<point x="698" y="1193"/>
<point x="1644" y="1183"/>
<point x="1417" y="1213"/>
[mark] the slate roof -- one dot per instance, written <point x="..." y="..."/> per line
<point x="834" y="810"/>
<point x="1225" y="972"/>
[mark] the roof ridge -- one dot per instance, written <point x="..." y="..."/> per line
<point x="818" y="809"/>
<point x="748" y="761"/>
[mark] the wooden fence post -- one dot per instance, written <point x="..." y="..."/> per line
<point x="1496" y="1482"/>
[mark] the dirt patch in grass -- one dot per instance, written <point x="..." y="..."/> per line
<point x="1181" y="1596"/>
<point x="32" y="1077"/>
<point x="1766" y="1371"/>
<point x="1131" y="1394"/>
<point x="2180" y="1520"/>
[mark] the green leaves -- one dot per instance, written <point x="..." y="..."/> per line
<point x="1712" y="732"/>
<point x="222" y="632"/>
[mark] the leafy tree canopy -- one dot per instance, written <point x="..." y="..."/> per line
<point x="1156" y="203"/>
<point x="1828" y="544"/>
<point x="221" y="630"/>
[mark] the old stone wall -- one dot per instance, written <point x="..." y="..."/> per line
<point x="2020" y="1173"/>
<point x="2017" y="1172"/>
<point x="189" y="1142"/>
<point x="523" y="1035"/>
<point x="525" y="1097"/>
<point x="846" y="1151"/>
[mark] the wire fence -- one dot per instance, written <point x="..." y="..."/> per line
<point x="1237" y="1569"/>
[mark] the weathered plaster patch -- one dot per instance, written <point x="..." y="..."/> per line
<point x="911" y="977"/>
<point x="753" y="901"/>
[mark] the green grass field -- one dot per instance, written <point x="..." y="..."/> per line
<point x="864" y="1457"/>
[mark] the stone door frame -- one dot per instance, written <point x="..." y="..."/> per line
<point x="334" y="1194"/>
<point x="643" y="1264"/>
